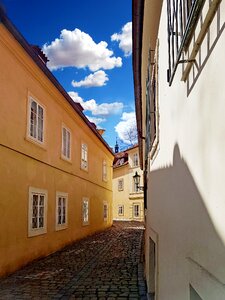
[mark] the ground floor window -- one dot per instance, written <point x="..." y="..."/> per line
<point x="105" y="211"/>
<point x="85" y="211"/>
<point x="37" y="211"/>
<point x="61" y="210"/>
<point x="120" y="210"/>
<point x="136" y="210"/>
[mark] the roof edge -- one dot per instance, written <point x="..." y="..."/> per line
<point x="28" y="48"/>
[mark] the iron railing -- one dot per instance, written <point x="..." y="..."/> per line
<point x="182" y="19"/>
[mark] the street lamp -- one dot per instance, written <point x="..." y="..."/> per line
<point x="137" y="181"/>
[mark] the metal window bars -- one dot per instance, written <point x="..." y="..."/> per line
<point x="182" y="17"/>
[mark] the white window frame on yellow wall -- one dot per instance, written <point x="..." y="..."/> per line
<point x="120" y="184"/>
<point x="38" y="199"/>
<point x="135" y="212"/>
<point x="104" y="170"/>
<point x="85" y="211"/>
<point x="66" y="143"/>
<point x="105" y="211"/>
<point x="36" y="121"/>
<point x="61" y="216"/>
<point x="135" y="160"/>
<point x="84" y="156"/>
<point x="120" y="210"/>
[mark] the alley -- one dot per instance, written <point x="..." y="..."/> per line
<point x="107" y="265"/>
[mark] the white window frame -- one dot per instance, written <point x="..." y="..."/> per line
<point x="84" y="156"/>
<point x="120" y="184"/>
<point x="39" y="193"/>
<point x="105" y="211"/>
<point x="66" y="143"/>
<point x="34" y="137"/>
<point x="62" y="225"/>
<point x="135" y="212"/>
<point x="120" y="210"/>
<point x="135" y="160"/>
<point x="104" y="170"/>
<point x="85" y="211"/>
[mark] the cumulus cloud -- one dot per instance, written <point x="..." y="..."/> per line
<point x="124" y="38"/>
<point x="98" y="78"/>
<point x="77" y="49"/>
<point x="95" y="120"/>
<point x="127" y="128"/>
<point x="103" y="109"/>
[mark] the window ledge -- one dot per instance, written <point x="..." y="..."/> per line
<point x="197" y="43"/>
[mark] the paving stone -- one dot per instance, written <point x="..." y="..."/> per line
<point x="106" y="265"/>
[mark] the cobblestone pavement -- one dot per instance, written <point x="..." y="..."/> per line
<point x="107" y="265"/>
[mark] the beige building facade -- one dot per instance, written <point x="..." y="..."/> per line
<point x="55" y="168"/>
<point x="178" y="63"/>
<point x="128" y="198"/>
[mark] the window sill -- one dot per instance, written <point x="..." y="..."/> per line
<point x="36" y="232"/>
<point x="61" y="227"/>
<point x="64" y="158"/>
<point x="35" y="142"/>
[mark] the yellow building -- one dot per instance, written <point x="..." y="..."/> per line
<point x="55" y="168"/>
<point x="128" y="198"/>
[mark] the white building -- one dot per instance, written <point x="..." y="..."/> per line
<point x="179" y="75"/>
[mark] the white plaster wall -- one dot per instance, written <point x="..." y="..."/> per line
<point x="186" y="190"/>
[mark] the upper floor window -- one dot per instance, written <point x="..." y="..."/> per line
<point x="37" y="211"/>
<point x="182" y="19"/>
<point x="104" y="171"/>
<point x="36" y="121"/>
<point x="120" y="184"/>
<point x="84" y="156"/>
<point x="135" y="160"/>
<point x="66" y="143"/>
<point x="61" y="210"/>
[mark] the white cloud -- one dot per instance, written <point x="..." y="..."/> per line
<point x="124" y="38"/>
<point x="98" y="78"/>
<point x="77" y="49"/>
<point x="127" y="128"/>
<point x="103" y="109"/>
<point x="95" y="120"/>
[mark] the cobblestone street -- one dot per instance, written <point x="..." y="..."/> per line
<point x="107" y="265"/>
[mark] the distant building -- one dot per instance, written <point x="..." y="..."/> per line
<point x="179" y="75"/>
<point x="128" y="199"/>
<point x="55" y="168"/>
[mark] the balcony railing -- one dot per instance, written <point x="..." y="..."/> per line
<point x="182" y="19"/>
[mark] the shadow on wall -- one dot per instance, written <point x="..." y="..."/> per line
<point x="187" y="235"/>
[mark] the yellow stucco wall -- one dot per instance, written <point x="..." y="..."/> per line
<point x="25" y="164"/>
<point x="127" y="197"/>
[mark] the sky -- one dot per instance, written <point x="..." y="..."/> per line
<point x="89" y="47"/>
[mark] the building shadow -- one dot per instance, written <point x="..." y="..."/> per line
<point x="189" y="246"/>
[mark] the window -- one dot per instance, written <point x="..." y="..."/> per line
<point x="37" y="211"/>
<point x="120" y="184"/>
<point x="84" y="157"/>
<point x="105" y="211"/>
<point x="136" y="210"/>
<point x="120" y="210"/>
<point x="135" y="187"/>
<point x="61" y="210"/>
<point x="104" y="171"/>
<point x="135" y="160"/>
<point x="36" y="121"/>
<point x="152" y="109"/>
<point x="182" y="19"/>
<point x="66" y="141"/>
<point x="85" y="211"/>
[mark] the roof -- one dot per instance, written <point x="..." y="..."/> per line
<point x="121" y="158"/>
<point x="40" y="61"/>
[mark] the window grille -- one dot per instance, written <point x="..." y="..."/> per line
<point x="182" y="18"/>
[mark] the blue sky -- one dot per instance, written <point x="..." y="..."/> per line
<point x="88" y="44"/>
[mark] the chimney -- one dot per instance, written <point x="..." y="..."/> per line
<point x="101" y="131"/>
